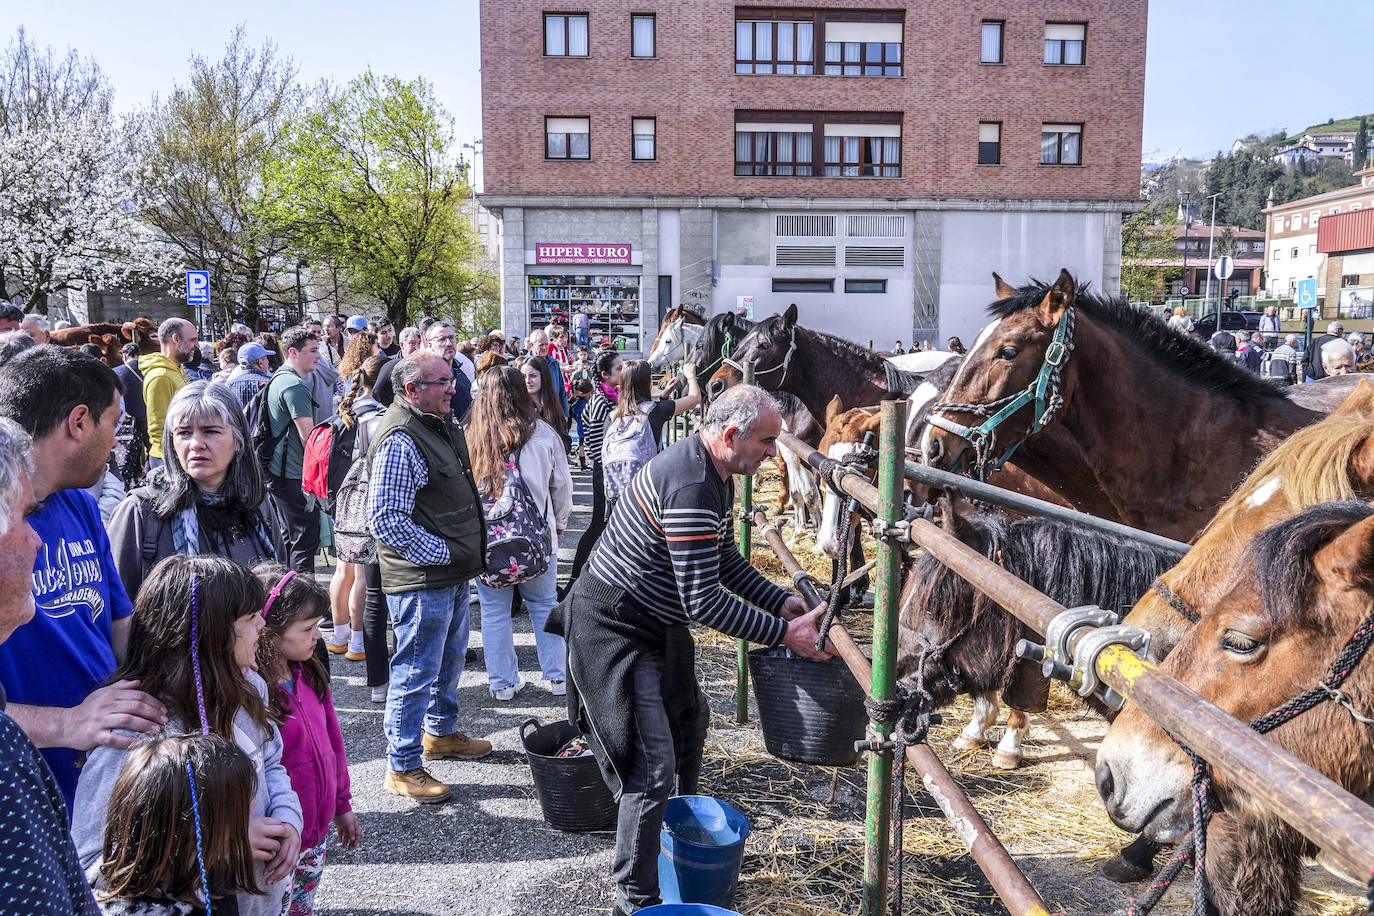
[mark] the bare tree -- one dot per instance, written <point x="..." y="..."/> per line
<point x="38" y="89"/>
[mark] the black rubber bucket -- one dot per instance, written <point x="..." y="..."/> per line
<point x="811" y="711"/>
<point x="571" y="792"/>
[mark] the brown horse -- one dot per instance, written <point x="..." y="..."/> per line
<point x="110" y="337"/>
<point x="814" y="366"/>
<point x="1330" y="460"/>
<point x="1267" y="640"/>
<point x="1135" y="423"/>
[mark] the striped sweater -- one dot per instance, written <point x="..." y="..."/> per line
<point x="670" y="545"/>
<point x="599" y="409"/>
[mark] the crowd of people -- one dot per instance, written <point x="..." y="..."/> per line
<point x="162" y="658"/>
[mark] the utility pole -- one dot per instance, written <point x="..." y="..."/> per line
<point x="1186" y="220"/>
<point x="1211" y="237"/>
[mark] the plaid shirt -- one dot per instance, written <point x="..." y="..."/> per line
<point x="245" y="383"/>
<point x="397" y="473"/>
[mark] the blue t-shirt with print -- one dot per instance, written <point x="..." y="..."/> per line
<point x="64" y="653"/>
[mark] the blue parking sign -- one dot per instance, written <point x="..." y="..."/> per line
<point x="197" y="287"/>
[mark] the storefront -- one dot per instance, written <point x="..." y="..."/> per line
<point x="605" y="286"/>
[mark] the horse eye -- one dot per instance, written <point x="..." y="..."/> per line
<point x="1238" y="643"/>
<point x="1007" y="353"/>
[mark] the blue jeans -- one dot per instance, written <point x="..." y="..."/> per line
<point x="584" y="337"/>
<point x="498" y="641"/>
<point x="431" y="640"/>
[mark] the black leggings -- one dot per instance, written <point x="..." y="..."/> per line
<point x="375" y="619"/>
<point x="595" y="526"/>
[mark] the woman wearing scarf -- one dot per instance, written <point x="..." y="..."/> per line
<point x="210" y="496"/>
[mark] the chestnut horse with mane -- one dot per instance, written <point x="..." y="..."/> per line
<point x="1303" y="608"/>
<point x="1122" y="416"/>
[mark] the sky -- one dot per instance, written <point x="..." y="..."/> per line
<point x="1216" y="69"/>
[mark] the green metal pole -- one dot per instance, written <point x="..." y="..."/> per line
<point x="877" y="826"/>
<point x="745" y="538"/>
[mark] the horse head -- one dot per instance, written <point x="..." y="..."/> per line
<point x="769" y="346"/>
<point x="715" y="345"/>
<point x="1309" y="586"/>
<point x="1007" y="387"/>
<point x="143" y="332"/>
<point x="844" y="433"/>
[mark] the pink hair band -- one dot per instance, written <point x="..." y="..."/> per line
<point x="273" y="595"/>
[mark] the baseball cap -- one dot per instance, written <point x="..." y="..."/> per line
<point x="356" y="323"/>
<point x="251" y="352"/>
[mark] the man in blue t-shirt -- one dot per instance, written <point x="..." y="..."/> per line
<point x="56" y="669"/>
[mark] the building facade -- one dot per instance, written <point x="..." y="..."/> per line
<point x="1291" y="243"/>
<point x="872" y="163"/>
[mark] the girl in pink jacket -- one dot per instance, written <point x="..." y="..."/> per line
<point x="313" y="746"/>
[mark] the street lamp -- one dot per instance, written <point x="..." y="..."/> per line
<point x="1210" y="239"/>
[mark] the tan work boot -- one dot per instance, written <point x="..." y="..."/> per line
<point x="417" y="785"/>
<point x="457" y="745"/>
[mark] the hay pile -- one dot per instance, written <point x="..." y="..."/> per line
<point x="805" y="853"/>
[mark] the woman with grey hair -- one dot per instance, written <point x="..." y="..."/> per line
<point x="209" y="497"/>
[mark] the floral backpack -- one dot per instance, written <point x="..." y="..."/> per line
<point x="517" y="533"/>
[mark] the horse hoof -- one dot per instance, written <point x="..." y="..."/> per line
<point x="965" y="743"/>
<point x="1005" y="761"/>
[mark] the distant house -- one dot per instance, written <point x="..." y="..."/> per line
<point x="1190" y="265"/>
<point x="1338" y="144"/>
<point x="1291" y="232"/>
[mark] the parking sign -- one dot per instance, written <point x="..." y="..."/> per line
<point x="1307" y="293"/>
<point x="197" y="287"/>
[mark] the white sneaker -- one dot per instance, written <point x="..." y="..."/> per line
<point x="558" y="688"/>
<point x="508" y="693"/>
<point x="379" y="694"/>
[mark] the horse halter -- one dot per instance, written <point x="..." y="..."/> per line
<point x="786" y="360"/>
<point x="1043" y="392"/>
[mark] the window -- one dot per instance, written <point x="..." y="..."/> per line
<point x="1061" y="144"/>
<point x="1293" y="253"/>
<point x="992" y="43"/>
<point x="772" y="149"/>
<point x="1064" y="42"/>
<point x="863" y="48"/>
<point x="1257" y="246"/>
<point x="567" y="138"/>
<point x="1277" y="254"/>
<point x="865" y="286"/>
<point x="863" y="150"/>
<point x="786" y="47"/>
<point x="643" y="130"/>
<point x="642" y="35"/>
<point x="565" y="34"/>
<point x="786" y="285"/>
<point x="1349" y="280"/>
<point x="990" y="143"/>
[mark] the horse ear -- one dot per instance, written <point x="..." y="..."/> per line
<point x="1003" y="288"/>
<point x="833" y="410"/>
<point x="1350" y="557"/>
<point x="1058" y="299"/>
<point x="789" y="317"/>
<point x="727" y="321"/>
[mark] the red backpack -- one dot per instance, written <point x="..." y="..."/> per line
<point x="328" y="456"/>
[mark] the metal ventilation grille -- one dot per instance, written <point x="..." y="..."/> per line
<point x="806" y="256"/>
<point x="872" y="256"/>
<point x="808" y="226"/>
<point x="876" y="226"/>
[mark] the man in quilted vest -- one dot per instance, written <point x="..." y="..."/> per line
<point x="431" y="540"/>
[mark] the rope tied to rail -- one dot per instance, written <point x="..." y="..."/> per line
<point x="1195" y="844"/>
<point x="844" y="531"/>
<point x="910" y="715"/>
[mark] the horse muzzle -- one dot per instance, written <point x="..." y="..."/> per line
<point x="1145" y="788"/>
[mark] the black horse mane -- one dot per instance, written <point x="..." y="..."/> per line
<point x="1281" y="557"/>
<point x="707" y="349"/>
<point x="1183" y="354"/>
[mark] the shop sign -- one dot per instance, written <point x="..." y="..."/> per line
<point x="582" y="254"/>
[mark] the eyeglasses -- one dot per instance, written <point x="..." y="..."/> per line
<point x="446" y="382"/>
<point x="445" y="338"/>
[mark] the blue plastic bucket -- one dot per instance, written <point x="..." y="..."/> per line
<point x="685" y="909"/>
<point x="701" y="851"/>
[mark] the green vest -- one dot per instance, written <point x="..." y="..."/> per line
<point x="447" y="506"/>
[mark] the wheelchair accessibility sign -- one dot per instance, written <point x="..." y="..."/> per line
<point x="197" y="287"/>
<point x="1307" y="293"/>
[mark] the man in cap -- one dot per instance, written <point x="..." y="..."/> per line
<point x="251" y="373"/>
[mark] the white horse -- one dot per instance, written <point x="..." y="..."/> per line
<point x="675" y="341"/>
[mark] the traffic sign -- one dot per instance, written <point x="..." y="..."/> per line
<point x="1225" y="266"/>
<point x="1307" y="293"/>
<point x="1183" y="291"/>
<point x="197" y="287"/>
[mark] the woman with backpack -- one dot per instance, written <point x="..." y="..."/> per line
<point x="208" y="497"/>
<point x="348" y="597"/>
<point x="635" y="427"/>
<point x="522" y="473"/>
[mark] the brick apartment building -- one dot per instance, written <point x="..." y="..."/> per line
<point x="872" y="162"/>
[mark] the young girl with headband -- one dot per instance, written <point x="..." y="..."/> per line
<point x="152" y="864"/>
<point x="191" y="645"/>
<point x="313" y="746"/>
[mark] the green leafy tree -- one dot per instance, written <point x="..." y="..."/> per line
<point x="1147" y="245"/>
<point x="206" y="150"/>
<point x="1361" y="151"/>
<point x="365" y="181"/>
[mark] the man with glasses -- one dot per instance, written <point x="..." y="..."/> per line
<point x="441" y="339"/>
<point x="431" y="539"/>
